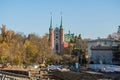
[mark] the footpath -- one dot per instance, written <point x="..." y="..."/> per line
<point x="86" y="75"/>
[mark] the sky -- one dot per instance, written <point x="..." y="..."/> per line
<point x="90" y="18"/>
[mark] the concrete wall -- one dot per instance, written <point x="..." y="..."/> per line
<point x="101" y="56"/>
<point x="93" y="54"/>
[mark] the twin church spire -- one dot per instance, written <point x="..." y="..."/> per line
<point x="51" y="23"/>
<point x="56" y="37"/>
<point x="61" y="25"/>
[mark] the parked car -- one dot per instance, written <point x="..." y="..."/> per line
<point x="54" y="67"/>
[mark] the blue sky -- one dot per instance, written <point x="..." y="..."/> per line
<point x="90" y="18"/>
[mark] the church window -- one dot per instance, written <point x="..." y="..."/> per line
<point x="56" y="37"/>
<point x="105" y="42"/>
<point x="57" y="47"/>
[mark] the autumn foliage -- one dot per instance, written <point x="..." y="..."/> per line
<point x="19" y="49"/>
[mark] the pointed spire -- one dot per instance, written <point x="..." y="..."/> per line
<point x="61" y="26"/>
<point x="118" y="29"/>
<point x="51" y="22"/>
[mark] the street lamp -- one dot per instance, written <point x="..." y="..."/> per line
<point x="86" y="56"/>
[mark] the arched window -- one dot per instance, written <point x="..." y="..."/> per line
<point x="56" y="46"/>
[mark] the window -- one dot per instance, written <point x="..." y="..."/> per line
<point x="56" y="46"/>
<point x="105" y="42"/>
<point x="56" y="37"/>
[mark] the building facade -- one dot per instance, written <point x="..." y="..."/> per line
<point x="115" y="35"/>
<point x="102" y="50"/>
<point x="56" y="38"/>
<point x="105" y="50"/>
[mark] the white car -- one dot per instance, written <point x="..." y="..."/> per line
<point x="54" y="67"/>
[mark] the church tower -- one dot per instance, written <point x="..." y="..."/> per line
<point x="61" y="36"/>
<point x="51" y="35"/>
<point x="56" y="38"/>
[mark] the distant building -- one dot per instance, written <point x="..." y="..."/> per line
<point x="57" y="39"/>
<point x="115" y="35"/>
<point x="101" y="50"/>
<point x="68" y="37"/>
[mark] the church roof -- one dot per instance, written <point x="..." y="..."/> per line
<point x="67" y="37"/>
<point x="56" y="28"/>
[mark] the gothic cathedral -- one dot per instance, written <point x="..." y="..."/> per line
<point x="56" y="38"/>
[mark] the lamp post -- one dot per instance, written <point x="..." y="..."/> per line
<point x="86" y="56"/>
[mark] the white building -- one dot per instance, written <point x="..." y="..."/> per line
<point x="115" y="35"/>
<point x="101" y="50"/>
